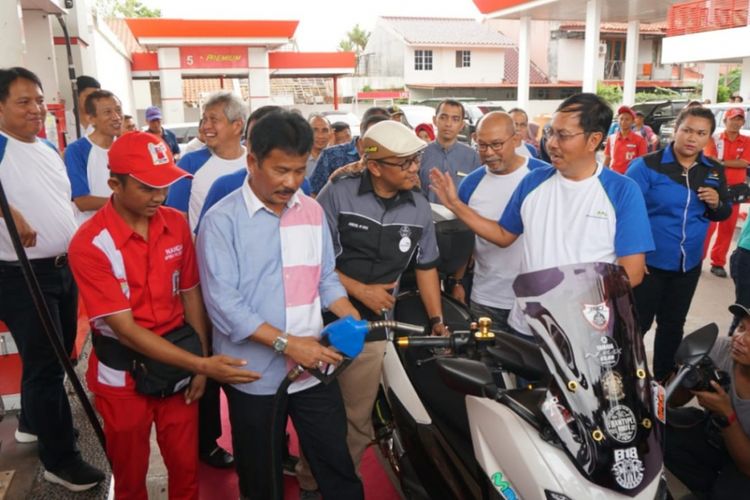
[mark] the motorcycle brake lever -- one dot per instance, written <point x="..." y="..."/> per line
<point x="420" y="362"/>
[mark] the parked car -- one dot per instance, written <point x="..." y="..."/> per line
<point x="344" y="116"/>
<point x="657" y="113"/>
<point x="415" y="114"/>
<point x="666" y="134"/>
<point x="185" y="132"/>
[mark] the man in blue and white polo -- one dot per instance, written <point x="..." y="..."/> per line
<point x="224" y="117"/>
<point x="487" y="190"/>
<point x="575" y="211"/>
<point x="86" y="158"/>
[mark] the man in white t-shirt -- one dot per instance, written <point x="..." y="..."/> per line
<point x="487" y="191"/>
<point x="572" y="212"/>
<point x="86" y="159"/>
<point x="38" y="192"/>
<point x="224" y="116"/>
<point x="223" y="119"/>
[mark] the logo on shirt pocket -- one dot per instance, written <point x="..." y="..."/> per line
<point x="599" y="214"/>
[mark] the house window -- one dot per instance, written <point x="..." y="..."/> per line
<point x="423" y="60"/>
<point x="463" y="58"/>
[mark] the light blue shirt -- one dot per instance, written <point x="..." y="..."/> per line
<point x="239" y="257"/>
<point x="459" y="159"/>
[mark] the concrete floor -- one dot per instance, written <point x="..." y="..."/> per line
<point x="710" y="304"/>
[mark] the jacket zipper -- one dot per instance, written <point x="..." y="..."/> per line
<point x="684" y="218"/>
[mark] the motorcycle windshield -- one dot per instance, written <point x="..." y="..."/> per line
<point x="600" y="401"/>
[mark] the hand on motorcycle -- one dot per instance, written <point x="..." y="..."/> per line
<point x="440" y="330"/>
<point x="377" y="296"/>
<point x="717" y="402"/>
<point x="308" y="352"/>
<point x="442" y="185"/>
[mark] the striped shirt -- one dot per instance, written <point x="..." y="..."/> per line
<point x="260" y="267"/>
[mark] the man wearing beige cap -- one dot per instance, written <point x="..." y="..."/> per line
<point x="379" y="219"/>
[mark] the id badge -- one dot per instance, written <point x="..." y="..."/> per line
<point x="175" y="282"/>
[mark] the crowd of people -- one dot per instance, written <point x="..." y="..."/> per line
<point x="221" y="264"/>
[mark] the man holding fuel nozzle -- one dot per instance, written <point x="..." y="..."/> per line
<point x="379" y="220"/>
<point x="267" y="261"/>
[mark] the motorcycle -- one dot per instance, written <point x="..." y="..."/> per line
<point x="588" y="424"/>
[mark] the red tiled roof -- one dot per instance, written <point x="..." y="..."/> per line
<point x="446" y="31"/>
<point x="537" y="76"/>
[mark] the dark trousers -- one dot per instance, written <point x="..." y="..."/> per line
<point x="703" y="468"/>
<point x="666" y="296"/>
<point x="498" y="316"/>
<point x="45" y="407"/>
<point x="209" y="417"/>
<point x="739" y="270"/>
<point x="320" y="420"/>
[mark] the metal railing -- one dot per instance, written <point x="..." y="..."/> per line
<point x="697" y="16"/>
<point x="614" y="70"/>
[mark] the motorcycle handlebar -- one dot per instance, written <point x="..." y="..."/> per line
<point x="452" y="341"/>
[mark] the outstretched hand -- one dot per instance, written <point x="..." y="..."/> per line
<point x="441" y="183"/>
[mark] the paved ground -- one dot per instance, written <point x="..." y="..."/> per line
<point x="710" y="304"/>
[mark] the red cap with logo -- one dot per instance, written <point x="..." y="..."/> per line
<point x="626" y="109"/>
<point x="733" y="112"/>
<point x="146" y="158"/>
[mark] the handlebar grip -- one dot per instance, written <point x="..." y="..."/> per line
<point x="424" y="341"/>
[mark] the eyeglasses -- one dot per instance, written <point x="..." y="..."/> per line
<point x="404" y="165"/>
<point x="560" y="136"/>
<point x="495" y="145"/>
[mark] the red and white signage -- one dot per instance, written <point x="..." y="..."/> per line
<point x="213" y="57"/>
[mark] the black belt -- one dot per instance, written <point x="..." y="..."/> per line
<point x="57" y="262"/>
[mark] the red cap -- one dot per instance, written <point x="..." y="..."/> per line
<point x="626" y="109"/>
<point x="733" y="112"/>
<point x="146" y="158"/>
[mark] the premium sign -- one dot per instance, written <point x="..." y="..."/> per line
<point x="213" y="57"/>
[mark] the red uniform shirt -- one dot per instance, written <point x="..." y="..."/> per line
<point x="117" y="270"/>
<point x="621" y="149"/>
<point x="738" y="149"/>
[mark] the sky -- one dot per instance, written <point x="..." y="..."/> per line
<point x="323" y="23"/>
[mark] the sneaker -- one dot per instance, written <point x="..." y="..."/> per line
<point x="218" y="457"/>
<point x="289" y="464"/>
<point x="718" y="271"/>
<point x="78" y="477"/>
<point x="25" y="437"/>
<point x="309" y="494"/>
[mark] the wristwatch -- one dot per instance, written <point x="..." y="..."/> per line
<point x="280" y="343"/>
<point x="724" y="422"/>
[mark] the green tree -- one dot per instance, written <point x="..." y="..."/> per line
<point x="610" y="93"/>
<point x="355" y="40"/>
<point x="126" y="8"/>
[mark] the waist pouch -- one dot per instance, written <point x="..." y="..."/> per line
<point x="739" y="193"/>
<point x="152" y="378"/>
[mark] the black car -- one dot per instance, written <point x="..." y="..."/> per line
<point x="657" y="113"/>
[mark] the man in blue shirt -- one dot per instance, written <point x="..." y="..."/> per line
<point x="446" y="153"/>
<point x="154" y="117"/>
<point x="343" y="154"/>
<point x="266" y="255"/>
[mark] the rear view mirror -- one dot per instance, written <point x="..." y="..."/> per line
<point x="696" y="345"/>
<point x="467" y="376"/>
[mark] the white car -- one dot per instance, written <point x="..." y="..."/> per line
<point x="343" y="116"/>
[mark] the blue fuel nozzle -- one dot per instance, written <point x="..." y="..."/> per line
<point x="347" y="335"/>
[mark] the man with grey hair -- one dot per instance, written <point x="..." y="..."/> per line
<point x="223" y="119"/>
<point x="321" y="136"/>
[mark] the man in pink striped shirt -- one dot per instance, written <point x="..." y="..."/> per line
<point x="266" y="255"/>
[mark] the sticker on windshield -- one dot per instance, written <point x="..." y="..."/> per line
<point x="628" y="468"/>
<point x="660" y="407"/>
<point x="612" y="386"/>
<point x="620" y="424"/>
<point x="557" y="414"/>
<point x="607" y="352"/>
<point x="597" y="315"/>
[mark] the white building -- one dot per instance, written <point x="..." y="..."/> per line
<point x="712" y="33"/>
<point x="422" y="54"/>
